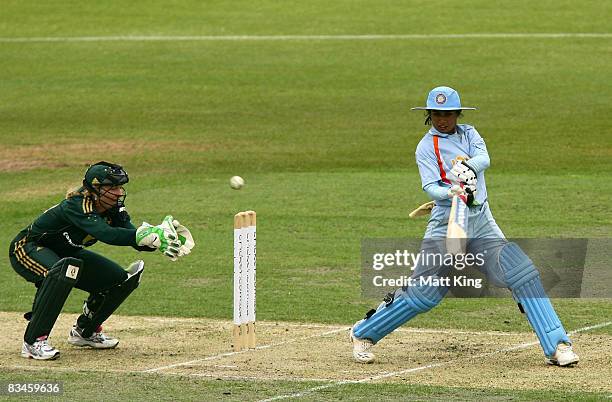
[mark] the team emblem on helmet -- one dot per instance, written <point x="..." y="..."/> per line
<point x="440" y="99"/>
<point x="105" y="173"/>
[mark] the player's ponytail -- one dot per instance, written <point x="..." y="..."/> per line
<point x="76" y="191"/>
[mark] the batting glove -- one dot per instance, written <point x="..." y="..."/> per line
<point x="464" y="173"/>
<point x="470" y="190"/>
<point x="466" y="193"/>
<point x="456" y="189"/>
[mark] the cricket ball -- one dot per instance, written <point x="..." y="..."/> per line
<point x="236" y="182"/>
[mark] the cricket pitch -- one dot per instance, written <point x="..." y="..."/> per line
<point x="316" y="352"/>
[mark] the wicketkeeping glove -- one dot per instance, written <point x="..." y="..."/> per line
<point x="172" y="252"/>
<point x="159" y="237"/>
<point x="464" y="173"/>
<point x="184" y="235"/>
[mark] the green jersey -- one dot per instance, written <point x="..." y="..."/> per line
<point x="74" y="224"/>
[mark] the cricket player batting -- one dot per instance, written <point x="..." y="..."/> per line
<point x="452" y="159"/>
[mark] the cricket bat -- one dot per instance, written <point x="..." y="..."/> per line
<point x="456" y="233"/>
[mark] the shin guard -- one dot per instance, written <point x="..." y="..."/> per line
<point x="51" y="296"/>
<point x="99" y="306"/>
<point x="523" y="279"/>
<point x="396" y="309"/>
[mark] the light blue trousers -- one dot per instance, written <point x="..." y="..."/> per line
<point x="505" y="266"/>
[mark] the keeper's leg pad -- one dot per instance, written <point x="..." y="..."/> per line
<point x="51" y="296"/>
<point x="99" y="306"/>
<point x="398" y="308"/>
<point x="523" y="279"/>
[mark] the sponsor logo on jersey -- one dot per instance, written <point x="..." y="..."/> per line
<point x="67" y="236"/>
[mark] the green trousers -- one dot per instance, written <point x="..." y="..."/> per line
<point x="32" y="261"/>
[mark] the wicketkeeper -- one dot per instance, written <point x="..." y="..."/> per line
<point x="51" y="253"/>
<point x="452" y="159"/>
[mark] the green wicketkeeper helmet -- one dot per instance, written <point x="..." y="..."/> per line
<point x="105" y="174"/>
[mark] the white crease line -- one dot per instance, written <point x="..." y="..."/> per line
<point x="212" y="38"/>
<point x="584" y="329"/>
<point x="218" y="356"/>
<point x="425" y="367"/>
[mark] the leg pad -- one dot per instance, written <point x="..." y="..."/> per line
<point x="99" y="306"/>
<point x="523" y="279"/>
<point x="51" y="297"/>
<point x="398" y="308"/>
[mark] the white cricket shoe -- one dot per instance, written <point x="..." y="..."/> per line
<point x="361" y="348"/>
<point x="563" y="356"/>
<point x="39" y="350"/>
<point x="97" y="340"/>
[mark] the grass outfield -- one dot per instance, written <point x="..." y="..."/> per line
<point x="321" y="131"/>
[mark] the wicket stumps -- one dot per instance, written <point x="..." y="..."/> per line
<point x="245" y="263"/>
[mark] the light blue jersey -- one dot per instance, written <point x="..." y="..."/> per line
<point x="436" y="154"/>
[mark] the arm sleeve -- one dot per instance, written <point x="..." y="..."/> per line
<point x="437" y="192"/>
<point x="427" y="164"/>
<point x="96" y="226"/>
<point x="479" y="160"/>
<point x="429" y="170"/>
<point x="123" y="220"/>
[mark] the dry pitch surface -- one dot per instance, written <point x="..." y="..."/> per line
<point x="290" y="351"/>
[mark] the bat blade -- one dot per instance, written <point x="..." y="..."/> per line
<point x="456" y="233"/>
